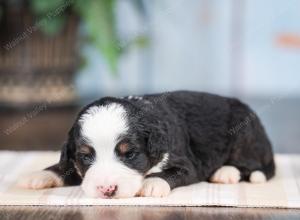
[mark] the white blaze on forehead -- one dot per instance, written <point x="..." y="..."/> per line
<point x="102" y="125"/>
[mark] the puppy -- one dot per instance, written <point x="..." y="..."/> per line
<point x="148" y="145"/>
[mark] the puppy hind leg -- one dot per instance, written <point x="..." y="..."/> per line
<point x="226" y="175"/>
<point x="257" y="177"/>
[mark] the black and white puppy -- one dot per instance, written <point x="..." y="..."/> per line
<point x="148" y="145"/>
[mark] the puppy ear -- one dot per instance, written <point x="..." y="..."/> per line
<point x="66" y="167"/>
<point x="67" y="152"/>
<point x="69" y="148"/>
<point x="67" y="157"/>
<point x="157" y="141"/>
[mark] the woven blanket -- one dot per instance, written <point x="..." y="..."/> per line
<point x="283" y="191"/>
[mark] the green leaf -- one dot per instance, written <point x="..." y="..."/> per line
<point x="53" y="25"/>
<point x="42" y="7"/>
<point x="51" y="13"/>
<point x="99" y="19"/>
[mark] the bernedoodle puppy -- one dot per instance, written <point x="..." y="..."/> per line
<point x="148" y="145"/>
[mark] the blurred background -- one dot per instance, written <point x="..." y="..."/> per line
<point x="58" y="55"/>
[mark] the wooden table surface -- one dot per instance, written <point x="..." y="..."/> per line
<point x="146" y="213"/>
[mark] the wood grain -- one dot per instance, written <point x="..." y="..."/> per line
<point x="145" y="213"/>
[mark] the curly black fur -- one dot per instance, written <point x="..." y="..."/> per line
<point x="201" y="132"/>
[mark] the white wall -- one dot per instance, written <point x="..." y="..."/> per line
<point x="222" y="46"/>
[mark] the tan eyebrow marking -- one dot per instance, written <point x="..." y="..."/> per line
<point x="85" y="149"/>
<point x="123" y="148"/>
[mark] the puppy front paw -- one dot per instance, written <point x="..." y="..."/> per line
<point x="226" y="175"/>
<point x="40" y="180"/>
<point x="155" y="187"/>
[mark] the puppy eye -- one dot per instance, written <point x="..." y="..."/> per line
<point x="85" y="154"/>
<point x="130" y="155"/>
<point x="86" y="158"/>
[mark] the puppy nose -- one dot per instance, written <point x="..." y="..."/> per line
<point x="107" y="191"/>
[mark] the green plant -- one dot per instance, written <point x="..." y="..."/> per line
<point x="98" y="17"/>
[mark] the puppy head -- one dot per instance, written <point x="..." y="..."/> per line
<point x="113" y="149"/>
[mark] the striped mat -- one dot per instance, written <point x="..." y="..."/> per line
<point x="283" y="191"/>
